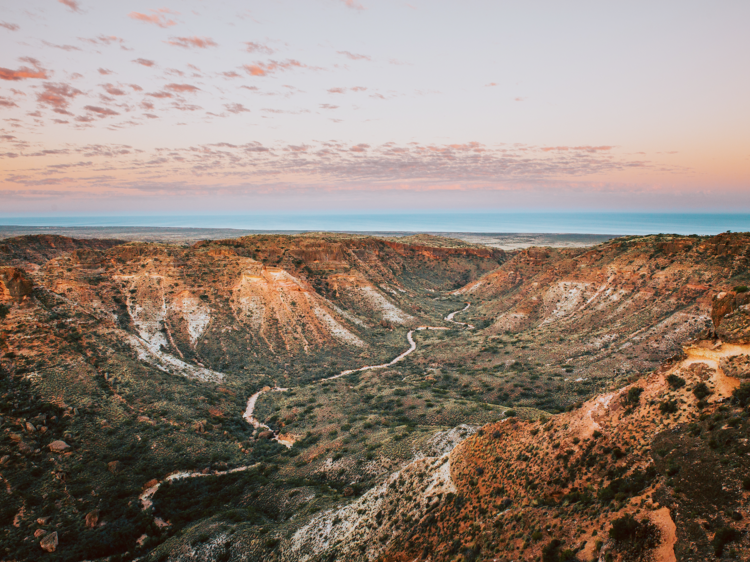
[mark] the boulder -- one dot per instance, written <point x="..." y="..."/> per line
<point x="265" y="434"/>
<point x="58" y="446"/>
<point x="150" y="484"/>
<point x="39" y="533"/>
<point x="43" y="520"/>
<point x="49" y="542"/>
<point x="92" y="518"/>
<point x="113" y="467"/>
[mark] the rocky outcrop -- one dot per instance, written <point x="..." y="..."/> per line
<point x="14" y="284"/>
<point x="49" y="542"/>
<point x="727" y="302"/>
<point x="58" y="446"/>
<point x="731" y="316"/>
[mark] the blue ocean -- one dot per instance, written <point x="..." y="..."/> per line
<point x="469" y="222"/>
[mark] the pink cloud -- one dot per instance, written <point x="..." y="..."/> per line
<point x="577" y="148"/>
<point x="112" y="90"/>
<point x="5" y="102"/>
<point x="145" y="62"/>
<point x="353" y="4"/>
<point x="264" y="69"/>
<point x="157" y="18"/>
<point x="354" y="56"/>
<point x="336" y="90"/>
<point x="235" y="107"/>
<point x="358" y="89"/>
<point x="9" y="26"/>
<point x="104" y="71"/>
<point x="136" y="87"/>
<point x="186" y="106"/>
<point x="103" y="39"/>
<point x="188" y="42"/>
<point x="101" y="111"/>
<point x="57" y="96"/>
<point x="490" y="85"/>
<point x="230" y="74"/>
<point x="24" y="72"/>
<point x="72" y="4"/>
<point x="159" y="95"/>
<point x="61" y="47"/>
<point x="181" y="88"/>
<point x="258" y="48"/>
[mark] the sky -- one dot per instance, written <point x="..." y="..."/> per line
<point x="373" y="105"/>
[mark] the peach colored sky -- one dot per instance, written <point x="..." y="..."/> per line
<point x="240" y="106"/>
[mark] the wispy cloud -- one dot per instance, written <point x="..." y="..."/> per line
<point x="181" y="88"/>
<point x="190" y="42"/>
<point x="58" y="96"/>
<point x="338" y="166"/>
<point x="354" y="56"/>
<point x="9" y="26"/>
<point x="100" y="111"/>
<point x="353" y="4"/>
<point x="24" y="72"/>
<point x="252" y="47"/>
<point x="72" y="4"/>
<point x="145" y="62"/>
<point x="157" y="17"/>
<point x="264" y="69"/>
<point x="235" y="108"/>
<point x="61" y="47"/>
<point x="103" y="40"/>
<point x="113" y="90"/>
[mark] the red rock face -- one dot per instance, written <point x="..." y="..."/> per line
<point x="726" y="303"/>
<point x="14" y="284"/>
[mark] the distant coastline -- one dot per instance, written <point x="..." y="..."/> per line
<point x="485" y="223"/>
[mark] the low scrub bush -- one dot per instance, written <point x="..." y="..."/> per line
<point x="701" y="391"/>
<point x="675" y="381"/>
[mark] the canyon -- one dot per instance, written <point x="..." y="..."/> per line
<point x="329" y="396"/>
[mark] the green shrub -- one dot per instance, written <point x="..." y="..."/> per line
<point x="723" y="536"/>
<point x="638" y="535"/>
<point x="701" y="391"/>
<point x="510" y="413"/>
<point x="553" y="552"/>
<point x="675" y="381"/>
<point x="4" y="311"/>
<point x="740" y="289"/>
<point x="668" y="407"/>
<point x="634" y="395"/>
<point x="741" y="394"/>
